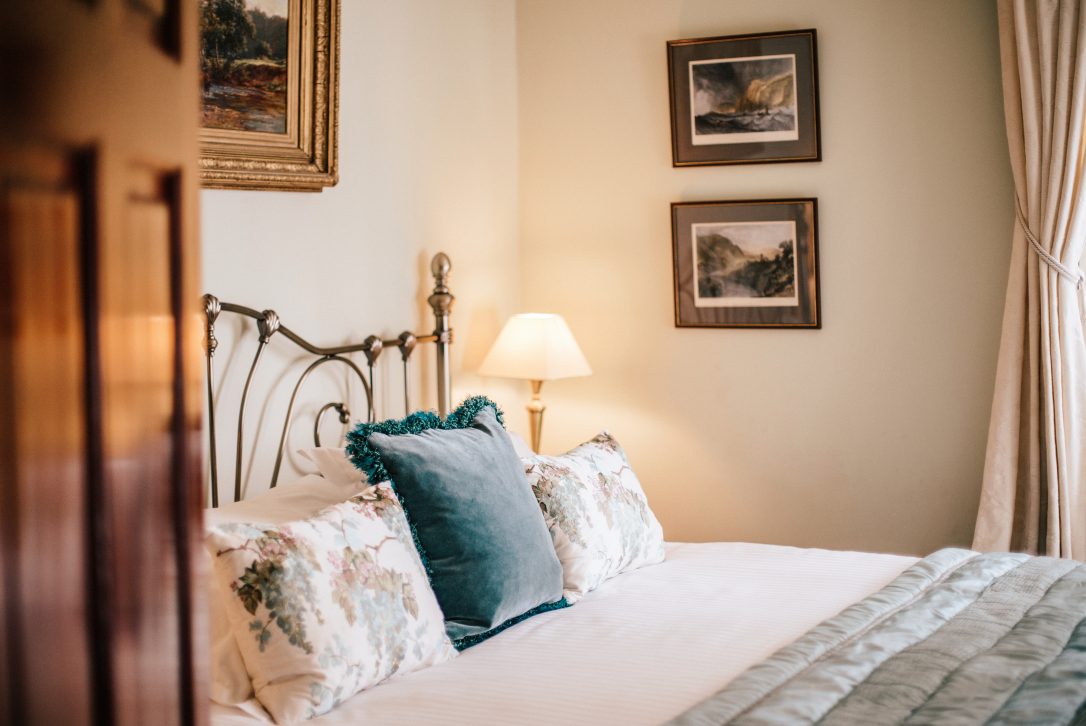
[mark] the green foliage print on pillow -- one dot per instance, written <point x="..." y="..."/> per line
<point x="378" y="598"/>
<point x="379" y="503"/>
<point x="626" y="513"/>
<point x="278" y="580"/>
<point x="557" y="490"/>
<point x="325" y="607"/>
<point x="597" y="513"/>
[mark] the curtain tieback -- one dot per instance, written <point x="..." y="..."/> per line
<point x="1075" y="276"/>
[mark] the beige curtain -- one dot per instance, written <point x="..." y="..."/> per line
<point x="1034" y="492"/>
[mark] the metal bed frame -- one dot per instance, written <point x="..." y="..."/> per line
<point x="268" y="325"/>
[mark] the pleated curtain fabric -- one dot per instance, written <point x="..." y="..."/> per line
<point x="1034" y="491"/>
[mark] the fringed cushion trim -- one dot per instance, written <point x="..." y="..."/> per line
<point x="469" y="640"/>
<point x="369" y="461"/>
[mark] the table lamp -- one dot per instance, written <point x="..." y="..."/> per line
<point x="536" y="347"/>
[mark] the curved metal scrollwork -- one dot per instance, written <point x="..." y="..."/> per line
<point x="270" y="326"/>
<point x="372" y="347"/>
<point x="294" y="396"/>
<point x="344" y="418"/>
<point x="212" y="308"/>
<point x="407" y="344"/>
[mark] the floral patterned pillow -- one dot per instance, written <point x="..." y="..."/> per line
<point x="597" y="513"/>
<point x="325" y="607"/>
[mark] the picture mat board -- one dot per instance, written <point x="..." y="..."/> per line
<point x="800" y="44"/>
<point x="801" y="211"/>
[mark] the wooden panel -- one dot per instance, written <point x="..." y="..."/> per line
<point x="10" y="613"/>
<point x="138" y="353"/>
<point x="44" y="488"/>
<point x="96" y="270"/>
<point x="153" y="7"/>
<point x="160" y="21"/>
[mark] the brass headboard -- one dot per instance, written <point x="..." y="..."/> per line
<point x="269" y="325"/>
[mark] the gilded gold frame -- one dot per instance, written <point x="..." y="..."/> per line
<point x="305" y="157"/>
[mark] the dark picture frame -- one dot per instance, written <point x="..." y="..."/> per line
<point x="270" y="109"/>
<point x="745" y="99"/>
<point x="746" y="263"/>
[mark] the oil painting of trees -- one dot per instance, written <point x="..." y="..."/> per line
<point x="244" y="64"/>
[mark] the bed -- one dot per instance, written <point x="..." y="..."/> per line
<point x="715" y="633"/>
<point x="634" y="651"/>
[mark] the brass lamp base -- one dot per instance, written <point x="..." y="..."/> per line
<point x="535" y="415"/>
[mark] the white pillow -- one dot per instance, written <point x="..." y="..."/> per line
<point x="520" y="446"/>
<point x="333" y="465"/>
<point x="230" y="684"/>
<point x="599" y="519"/>
<point x="325" y="607"/>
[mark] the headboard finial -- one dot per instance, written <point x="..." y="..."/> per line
<point x="440" y="266"/>
<point x="407" y="343"/>
<point x="212" y="308"/>
<point x="372" y="347"/>
<point x="441" y="301"/>
<point x="268" y="325"/>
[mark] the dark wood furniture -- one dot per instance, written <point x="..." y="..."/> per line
<point x="100" y="363"/>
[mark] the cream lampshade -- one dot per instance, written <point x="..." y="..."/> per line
<point x="536" y="347"/>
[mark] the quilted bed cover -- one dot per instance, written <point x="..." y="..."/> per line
<point x="958" y="638"/>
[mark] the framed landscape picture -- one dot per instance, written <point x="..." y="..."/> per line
<point x="269" y="71"/>
<point x="746" y="264"/>
<point x="744" y="99"/>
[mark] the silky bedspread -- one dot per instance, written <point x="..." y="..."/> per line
<point x="644" y="647"/>
<point x="957" y="638"/>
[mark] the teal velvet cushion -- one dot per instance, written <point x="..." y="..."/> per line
<point x="476" y="523"/>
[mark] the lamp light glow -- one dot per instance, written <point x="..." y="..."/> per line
<point x="536" y="347"/>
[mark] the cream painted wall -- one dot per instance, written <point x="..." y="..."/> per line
<point x="428" y="162"/>
<point x="867" y="434"/>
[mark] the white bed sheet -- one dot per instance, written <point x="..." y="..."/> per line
<point x="643" y="648"/>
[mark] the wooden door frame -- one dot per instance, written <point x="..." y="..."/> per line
<point x="107" y="90"/>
